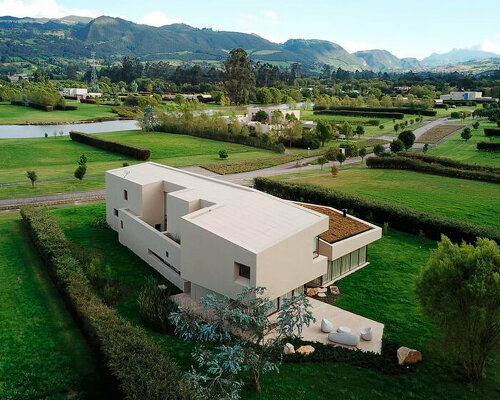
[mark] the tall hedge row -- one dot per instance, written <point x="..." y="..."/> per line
<point x="488" y="146"/>
<point x="448" y="162"/>
<point x="108" y="145"/>
<point x="32" y="105"/>
<point x="402" y="110"/>
<point x="140" y="369"/>
<point x="356" y="113"/>
<point x="430" y="168"/>
<point x="399" y="217"/>
<point x="492" y="131"/>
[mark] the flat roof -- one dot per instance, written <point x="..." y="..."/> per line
<point x="339" y="227"/>
<point x="247" y="217"/>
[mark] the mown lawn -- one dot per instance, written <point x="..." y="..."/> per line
<point x="43" y="355"/>
<point x="457" y="148"/>
<point x="55" y="157"/>
<point x="382" y="291"/>
<point x="11" y="115"/>
<point x="461" y="199"/>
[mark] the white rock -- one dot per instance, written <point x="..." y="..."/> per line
<point x="308" y="349"/>
<point x="326" y="326"/>
<point x="321" y="294"/>
<point x="366" y="334"/>
<point x="322" y="289"/>
<point x="289" y="349"/>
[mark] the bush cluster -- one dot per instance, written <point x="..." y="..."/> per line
<point x="448" y="162"/>
<point x="414" y="164"/>
<point x="400" y="217"/>
<point x="402" y="110"/>
<point x="492" y="131"/>
<point x="115" y="147"/>
<point x="32" y="105"/>
<point x="155" y="306"/>
<point x="488" y="146"/>
<point x="88" y="101"/>
<point x="138" y="366"/>
<point x="307" y="141"/>
<point x="360" y="113"/>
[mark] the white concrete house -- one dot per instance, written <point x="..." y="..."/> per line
<point x="80" y="93"/>
<point x="209" y="236"/>
<point x="462" y="96"/>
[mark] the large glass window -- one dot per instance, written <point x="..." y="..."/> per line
<point x="316" y="246"/>
<point x="362" y="255"/>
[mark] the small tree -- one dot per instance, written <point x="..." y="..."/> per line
<point x="331" y="154"/>
<point x="341" y="158"/>
<point x="82" y="161"/>
<point x="475" y="125"/>
<point x="322" y="161"/>
<point x="459" y="290"/>
<point x="381" y="127"/>
<point x="362" y="153"/>
<point x="466" y="134"/>
<point x="408" y="138"/>
<point x="396" y="128"/>
<point x="80" y="172"/>
<point x="360" y="130"/>
<point x="223" y="154"/>
<point x="32" y="177"/>
<point x="397" y="145"/>
<point x="334" y="171"/>
<point x="260" y="116"/>
<point x="346" y="130"/>
<point x="425" y="148"/>
<point x="324" y="131"/>
<point x="253" y="351"/>
<point x="378" y="149"/>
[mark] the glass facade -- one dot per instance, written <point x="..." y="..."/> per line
<point x="344" y="264"/>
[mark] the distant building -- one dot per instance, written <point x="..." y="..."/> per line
<point x="79" y="93"/>
<point x="461" y="96"/>
<point x="18" y="77"/>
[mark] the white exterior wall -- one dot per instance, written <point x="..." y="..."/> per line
<point x="114" y="198"/>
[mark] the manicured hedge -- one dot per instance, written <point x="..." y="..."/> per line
<point x="360" y="113"/>
<point x="492" y="131"/>
<point x="448" y="162"/>
<point x="488" y="146"/>
<point x="32" y="105"/>
<point x="88" y="101"/>
<point x="402" y="110"/>
<point x="399" y="217"/>
<point x="140" y="369"/>
<point x="430" y="168"/>
<point x="115" y="147"/>
<point x="66" y="108"/>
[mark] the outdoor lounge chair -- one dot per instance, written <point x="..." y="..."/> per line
<point x="347" y="339"/>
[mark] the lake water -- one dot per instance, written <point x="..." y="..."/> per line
<point x="33" y="131"/>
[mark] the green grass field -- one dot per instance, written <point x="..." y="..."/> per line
<point x="11" y="115"/>
<point x="457" y="148"/>
<point x="382" y="291"/>
<point x="56" y="157"/>
<point x="43" y="355"/>
<point x="462" y="199"/>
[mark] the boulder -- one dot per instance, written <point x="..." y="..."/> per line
<point x="408" y="356"/>
<point x="321" y="294"/>
<point x="308" y="349"/>
<point x="322" y="290"/>
<point x="326" y="326"/>
<point x="334" y="290"/>
<point x="288" y="349"/>
<point x="312" y="292"/>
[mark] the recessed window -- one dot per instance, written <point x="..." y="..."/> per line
<point x="166" y="253"/>
<point x="115" y="212"/>
<point x="125" y="195"/>
<point x="121" y="224"/>
<point x="158" y="227"/>
<point x="243" y="270"/>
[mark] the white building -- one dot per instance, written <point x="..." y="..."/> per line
<point x="460" y="96"/>
<point x="79" y="93"/>
<point x="209" y="236"/>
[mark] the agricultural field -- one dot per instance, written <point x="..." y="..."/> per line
<point x="56" y="157"/>
<point x="382" y="291"/>
<point x="11" y="115"/>
<point x="464" y="200"/>
<point x="438" y="133"/>
<point x="457" y="148"/>
<point x="43" y="353"/>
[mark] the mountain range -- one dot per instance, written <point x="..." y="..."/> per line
<point x="74" y="37"/>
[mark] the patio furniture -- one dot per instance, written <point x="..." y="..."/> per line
<point x="366" y="334"/>
<point x="344" y="329"/>
<point x="326" y="326"/>
<point x="346" y="339"/>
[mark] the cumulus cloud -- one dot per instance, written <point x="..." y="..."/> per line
<point x="158" y="18"/>
<point x="41" y="8"/>
<point x="272" y="18"/>
<point x="492" y="45"/>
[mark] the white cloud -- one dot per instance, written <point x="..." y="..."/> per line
<point x="158" y="18"/>
<point x="41" y="8"/>
<point x="490" y="45"/>
<point x="272" y="16"/>
<point x="246" y="20"/>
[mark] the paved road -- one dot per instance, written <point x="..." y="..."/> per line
<point x="52" y="197"/>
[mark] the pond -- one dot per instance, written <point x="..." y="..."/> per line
<point x="33" y="131"/>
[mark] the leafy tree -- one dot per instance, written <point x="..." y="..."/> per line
<point x="322" y="161"/>
<point x="254" y="351"/>
<point x="408" y="138"/>
<point x="83" y="160"/>
<point x="133" y="87"/>
<point x="80" y="172"/>
<point x="293" y="128"/>
<point x="260" y="116"/>
<point x="386" y="101"/>
<point x="360" y="130"/>
<point x="263" y="96"/>
<point x="378" y="149"/>
<point x="466" y="134"/>
<point x="396" y="128"/>
<point x="224" y="101"/>
<point x="324" y="131"/>
<point x="147" y="120"/>
<point x="223" y="154"/>
<point x="459" y="291"/>
<point x="475" y="125"/>
<point x="331" y="154"/>
<point x="362" y="153"/>
<point x="32" y="177"/>
<point x="346" y="130"/>
<point x="397" y="145"/>
<point x="240" y="80"/>
<point x="276" y="94"/>
<point x="334" y="171"/>
<point x="425" y="148"/>
<point x="381" y="127"/>
<point x="341" y="158"/>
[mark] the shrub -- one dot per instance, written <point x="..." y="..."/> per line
<point x="223" y="154"/>
<point x="155" y="306"/>
<point x="408" y="138"/>
<point x="141" y="370"/>
<point x="360" y="113"/>
<point x="331" y="154"/>
<point x="378" y="149"/>
<point x="492" y="132"/>
<point x="397" y="145"/>
<point x="381" y="127"/>
<point x="114" y="147"/>
<point x="88" y="101"/>
<point x="351" y="149"/>
<point x="429" y="168"/>
<point x="488" y="146"/>
<point x="402" y="110"/>
<point x="448" y="162"/>
<point x="400" y="217"/>
<point x="466" y="134"/>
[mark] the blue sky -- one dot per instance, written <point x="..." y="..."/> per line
<point x="404" y="27"/>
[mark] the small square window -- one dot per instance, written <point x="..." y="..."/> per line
<point x="244" y="271"/>
<point x="115" y="211"/>
<point x="158" y="227"/>
<point x="166" y="253"/>
<point x="125" y="195"/>
<point x="121" y="224"/>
